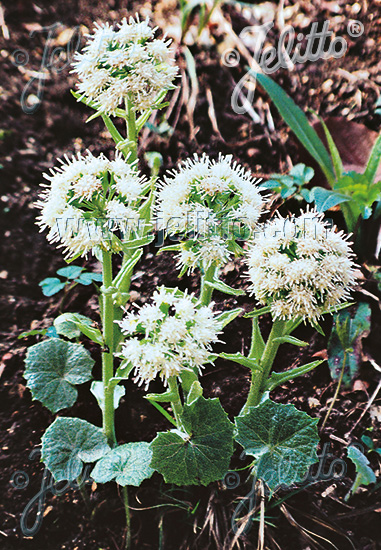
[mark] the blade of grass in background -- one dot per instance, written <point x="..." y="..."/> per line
<point x="374" y="160"/>
<point x="298" y="123"/>
<point x="335" y="155"/>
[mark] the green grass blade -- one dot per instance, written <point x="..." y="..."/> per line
<point x="374" y="160"/>
<point x="298" y="123"/>
<point x="335" y="155"/>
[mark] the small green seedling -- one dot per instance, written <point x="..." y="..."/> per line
<point x="69" y="276"/>
<point x="368" y="441"/>
<point x="291" y="185"/>
<point x="364" y="474"/>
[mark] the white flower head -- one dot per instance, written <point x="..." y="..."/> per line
<point x="87" y="200"/>
<point x="124" y="64"/>
<point x="300" y="267"/>
<point x="203" y="201"/>
<point x="171" y="335"/>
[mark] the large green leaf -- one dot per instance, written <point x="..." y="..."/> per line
<point x="346" y="341"/>
<point x="298" y="123"/>
<point x="128" y="464"/>
<point x="201" y="453"/>
<point x="53" y="367"/>
<point x="282" y="439"/>
<point x="68" y="443"/>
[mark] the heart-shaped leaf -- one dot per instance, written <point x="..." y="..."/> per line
<point x="70" y="271"/>
<point x="199" y="454"/>
<point x="282" y="439"/>
<point x="87" y="278"/>
<point x="68" y="443"/>
<point x="128" y="464"/>
<point x="51" y="286"/>
<point x="53" y="367"/>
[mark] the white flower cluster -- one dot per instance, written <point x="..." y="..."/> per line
<point x="125" y="64"/>
<point x="87" y="199"/>
<point x="171" y="335"/>
<point x="201" y="201"/>
<point x="300" y="267"/>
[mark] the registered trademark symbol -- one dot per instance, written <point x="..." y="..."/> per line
<point x="19" y="480"/>
<point x="355" y="28"/>
<point x="20" y="57"/>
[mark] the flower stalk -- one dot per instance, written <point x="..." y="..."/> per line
<point x="131" y="131"/>
<point x="206" y="291"/>
<point x="176" y="404"/>
<point x="107" y="353"/>
<point x="261" y="372"/>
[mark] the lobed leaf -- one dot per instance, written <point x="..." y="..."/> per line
<point x="127" y="464"/>
<point x="201" y="453"/>
<point x="282" y="439"/>
<point x="68" y="443"/>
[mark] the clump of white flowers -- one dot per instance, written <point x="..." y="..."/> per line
<point x="171" y="335"/>
<point x="124" y="64"/>
<point x="300" y="267"/>
<point x="202" y="202"/>
<point x="88" y="199"/>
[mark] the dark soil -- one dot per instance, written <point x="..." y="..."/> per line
<point x="163" y="516"/>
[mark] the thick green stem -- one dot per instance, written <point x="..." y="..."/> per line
<point x="176" y="404"/>
<point x="131" y="131"/>
<point x="206" y="291"/>
<point x="259" y="377"/>
<point x="128" y="518"/>
<point x="107" y="354"/>
<point x="133" y="148"/>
